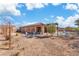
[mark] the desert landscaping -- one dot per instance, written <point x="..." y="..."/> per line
<point x="38" y="40"/>
<point x="39" y="29"/>
<point x="35" y="46"/>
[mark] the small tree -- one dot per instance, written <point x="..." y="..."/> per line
<point x="7" y="29"/>
<point x="51" y="28"/>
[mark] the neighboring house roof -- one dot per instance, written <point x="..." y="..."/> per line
<point x="60" y="29"/>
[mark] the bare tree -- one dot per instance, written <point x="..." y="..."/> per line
<point x="7" y="27"/>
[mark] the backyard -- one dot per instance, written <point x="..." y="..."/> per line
<point x="52" y="46"/>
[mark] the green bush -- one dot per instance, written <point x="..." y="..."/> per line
<point x="51" y="28"/>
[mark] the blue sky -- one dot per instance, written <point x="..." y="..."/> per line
<point x="22" y="14"/>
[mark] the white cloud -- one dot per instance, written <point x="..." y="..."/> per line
<point x="11" y="8"/>
<point x="70" y="21"/>
<point x="31" y="6"/>
<point x="71" y="7"/>
<point x="59" y="20"/>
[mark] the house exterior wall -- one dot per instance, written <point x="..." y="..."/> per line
<point x="33" y="28"/>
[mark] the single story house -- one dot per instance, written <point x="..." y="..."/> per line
<point x="38" y="28"/>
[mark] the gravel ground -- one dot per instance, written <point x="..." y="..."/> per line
<point x="22" y="46"/>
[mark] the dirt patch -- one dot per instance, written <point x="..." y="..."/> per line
<point x="56" y="46"/>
